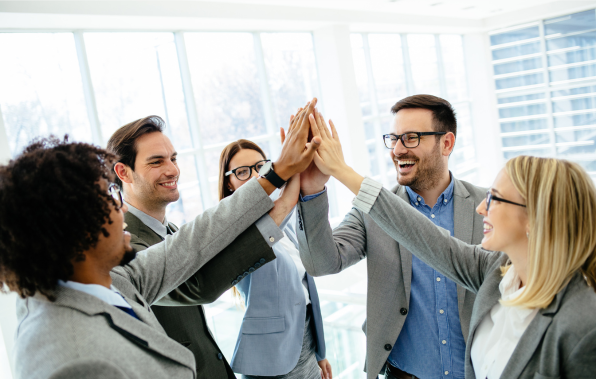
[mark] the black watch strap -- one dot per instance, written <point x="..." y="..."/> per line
<point x="274" y="179"/>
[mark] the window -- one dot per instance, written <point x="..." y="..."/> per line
<point x="545" y="76"/>
<point x="390" y="67"/>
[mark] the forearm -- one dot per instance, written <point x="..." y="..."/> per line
<point x="349" y="178"/>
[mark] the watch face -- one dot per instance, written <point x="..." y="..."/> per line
<point x="265" y="169"/>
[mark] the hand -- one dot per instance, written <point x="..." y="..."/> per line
<point x="325" y="369"/>
<point x="329" y="158"/>
<point x="297" y="152"/>
<point x="288" y="198"/>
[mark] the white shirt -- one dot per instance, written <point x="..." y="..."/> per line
<point x="110" y="296"/>
<point x="500" y="330"/>
<point x="286" y="245"/>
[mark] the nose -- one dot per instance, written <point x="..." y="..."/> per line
<point x="399" y="149"/>
<point x="172" y="169"/>
<point x="481" y="208"/>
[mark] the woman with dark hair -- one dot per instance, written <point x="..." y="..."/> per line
<point x="282" y="330"/>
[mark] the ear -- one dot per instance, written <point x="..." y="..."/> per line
<point x="124" y="172"/>
<point x="448" y="143"/>
<point x="230" y="187"/>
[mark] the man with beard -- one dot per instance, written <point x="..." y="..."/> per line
<point x="417" y="319"/>
<point x="85" y="303"/>
<point x="148" y="171"/>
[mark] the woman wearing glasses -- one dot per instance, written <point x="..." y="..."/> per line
<point x="282" y="330"/>
<point x="534" y="273"/>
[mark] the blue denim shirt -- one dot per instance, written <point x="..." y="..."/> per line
<point x="431" y="344"/>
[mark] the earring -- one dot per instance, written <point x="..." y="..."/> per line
<point x="528" y="234"/>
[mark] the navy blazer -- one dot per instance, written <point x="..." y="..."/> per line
<point x="272" y="331"/>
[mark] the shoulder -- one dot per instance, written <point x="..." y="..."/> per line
<point x="578" y="308"/>
<point x="476" y="192"/>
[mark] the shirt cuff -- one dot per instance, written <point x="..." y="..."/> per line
<point x="367" y="195"/>
<point x="269" y="230"/>
<point x="313" y="196"/>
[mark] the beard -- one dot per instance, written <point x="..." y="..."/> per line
<point x="150" y="194"/>
<point x="428" y="173"/>
<point x="128" y="256"/>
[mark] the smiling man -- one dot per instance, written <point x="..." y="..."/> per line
<point x="148" y="171"/>
<point x="417" y="319"/>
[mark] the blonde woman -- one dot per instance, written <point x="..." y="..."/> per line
<point x="534" y="273"/>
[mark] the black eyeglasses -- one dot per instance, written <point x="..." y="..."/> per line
<point x="490" y="197"/>
<point x="244" y="172"/>
<point x="409" y="140"/>
<point x="114" y="191"/>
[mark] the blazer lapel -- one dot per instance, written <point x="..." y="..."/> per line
<point x="405" y="254"/>
<point x="463" y="226"/>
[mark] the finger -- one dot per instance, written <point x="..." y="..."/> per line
<point x="324" y="129"/>
<point x="282" y="133"/>
<point x="311" y="148"/>
<point x="297" y="120"/>
<point x="314" y="127"/>
<point x="334" y="131"/>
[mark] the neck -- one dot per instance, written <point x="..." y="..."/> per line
<point x="158" y="212"/>
<point x="87" y="272"/>
<point x="520" y="263"/>
<point x="430" y="195"/>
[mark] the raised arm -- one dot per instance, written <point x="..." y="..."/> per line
<point x="323" y="251"/>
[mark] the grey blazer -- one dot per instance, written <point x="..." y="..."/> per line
<point x="561" y="340"/>
<point x="79" y="335"/>
<point x="389" y="263"/>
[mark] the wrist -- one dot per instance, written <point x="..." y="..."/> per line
<point x="305" y="191"/>
<point x="283" y="171"/>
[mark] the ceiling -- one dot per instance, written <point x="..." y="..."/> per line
<point x="426" y="16"/>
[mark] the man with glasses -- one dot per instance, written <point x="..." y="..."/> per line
<point x="148" y="172"/>
<point x="417" y="319"/>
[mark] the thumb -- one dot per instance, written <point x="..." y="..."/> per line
<point x="282" y="132"/>
<point x="312" y="147"/>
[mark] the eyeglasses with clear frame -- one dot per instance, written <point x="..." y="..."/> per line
<point x="490" y="197"/>
<point x="243" y="173"/>
<point x="116" y="193"/>
<point x="410" y="140"/>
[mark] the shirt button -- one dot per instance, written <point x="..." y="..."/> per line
<point x="403" y="311"/>
<point x="444" y="342"/>
<point x="271" y="239"/>
<point x="446" y="372"/>
<point x="419" y="199"/>
<point x="433" y="216"/>
<point x="416" y="203"/>
<point x="438" y="279"/>
<point x="387" y="347"/>
<point x="445" y="201"/>
<point x="441" y="311"/>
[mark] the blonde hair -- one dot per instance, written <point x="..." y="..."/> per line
<point x="561" y="205"/>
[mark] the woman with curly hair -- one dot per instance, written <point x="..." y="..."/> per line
<point x="534" y="273"/>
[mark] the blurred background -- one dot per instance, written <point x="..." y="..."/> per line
<point x="521" y="75"/>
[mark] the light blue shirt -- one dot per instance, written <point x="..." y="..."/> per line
<point x="431" y="344"/>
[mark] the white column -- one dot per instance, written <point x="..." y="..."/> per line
<point x="339" y="92"/>
<point x="487" y="141"/>
<point x="8" y="316"/>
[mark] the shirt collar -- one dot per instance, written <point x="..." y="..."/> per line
<point x="154" y="224"/>
<point x="444" y="198"/>
<point x="110" y="296"/>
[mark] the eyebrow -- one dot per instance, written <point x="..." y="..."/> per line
<point x="496" y="191"/>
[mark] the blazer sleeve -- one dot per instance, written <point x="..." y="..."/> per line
<point x="88" y="369"/>
<point x="465" y="264"/>
<point x="217" y="275"/>
<point x="324" y="251"/>
<point x="163" y="267"/>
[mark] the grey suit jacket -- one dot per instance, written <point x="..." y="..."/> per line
<point x="561" y="340"/>
<point x="79" y="335"/>
<point x="389" y="264"/>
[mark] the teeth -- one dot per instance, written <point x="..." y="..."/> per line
<point x="170" y="184"/>
<point x="488" y="227"/>
<point x="402" y="163"/>
<point x="124" y="225"/>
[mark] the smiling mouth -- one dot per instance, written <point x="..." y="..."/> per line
<point x="171" y="184"/>
<point x="487" y="227"/>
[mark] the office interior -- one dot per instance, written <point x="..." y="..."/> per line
<point x="521" y="75"/>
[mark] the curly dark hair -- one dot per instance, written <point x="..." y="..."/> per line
<point x="52" y="210"/>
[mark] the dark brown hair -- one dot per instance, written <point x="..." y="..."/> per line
<point x="123" y="142"/>
<point x="443" y="114"/>
<point x="224" y="161"/>
<point x="52" y="210"/>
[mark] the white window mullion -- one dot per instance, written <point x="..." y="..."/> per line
<point x="193" y="120"/>
<point x="549" y="103"/>
<point x="88" y="89"/>
<point x="407" y="65"/>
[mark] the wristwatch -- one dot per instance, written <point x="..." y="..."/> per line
<point x="267" y="172"/>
